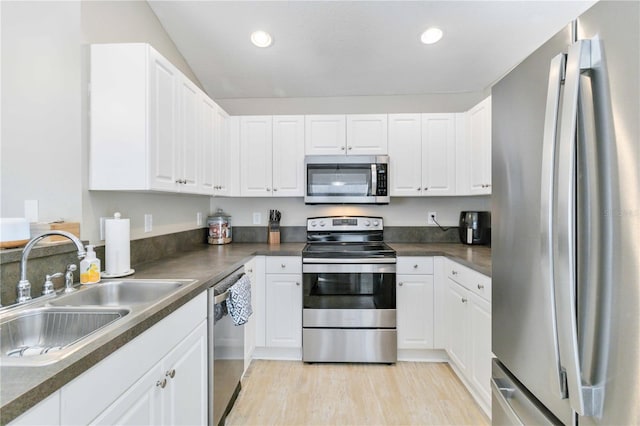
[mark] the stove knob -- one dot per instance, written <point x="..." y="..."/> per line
<point x="322" y="223"/>
<point x="376" y="223"/>
<point x="313" y="223"/>
<point x="367" y="223"/>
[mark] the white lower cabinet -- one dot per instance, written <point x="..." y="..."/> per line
<point x="414" y="302"/>
<point x="279" y="336"/>
<point x="46" y="413"/>
<point x="468" y="324"/>
<point x="250" y="268"/>
<point x="173" y="392"/>
<point x="127" y="386"/>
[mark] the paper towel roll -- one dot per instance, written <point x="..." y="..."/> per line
<point x="117" y="249"/>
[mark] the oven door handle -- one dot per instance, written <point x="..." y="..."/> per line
<point x="368" y="261"/>
<point x="350" y="268"/>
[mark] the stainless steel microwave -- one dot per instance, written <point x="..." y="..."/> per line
<point x="346" y="179"/>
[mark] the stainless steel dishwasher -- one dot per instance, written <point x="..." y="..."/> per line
<point x="226" y="351"/>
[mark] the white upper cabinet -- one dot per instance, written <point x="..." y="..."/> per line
<point x="358" y="134"/>
<point x="325" y="135"/>
<point x="150" y="125"/>
<point x="475" y="175"/>
<point x="367" y="134"/>
<point x="256" y="145"/>
<point x="405" y="159"/>
<point x="288" y="156"/>
<point x="439" y="154"/>
<point x="422" y="154"/>
<point x="272" y="157"/>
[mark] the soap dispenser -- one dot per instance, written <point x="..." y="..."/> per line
<point x="90" y="267"/>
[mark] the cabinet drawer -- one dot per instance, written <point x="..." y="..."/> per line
<point x="471" y="280"/>
<point x="283" y="265"/>
<point x="456" y="272"/>
<point x="480" y="285"/>
<point x="415" y="265"/>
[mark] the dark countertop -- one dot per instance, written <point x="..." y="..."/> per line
<point x="23" y="387"/>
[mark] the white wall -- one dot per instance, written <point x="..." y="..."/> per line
<point x="402" y="211"/>
<point x="41" y="109"/>
<point x="121" y="22"/>
<point x="437" y="102"/>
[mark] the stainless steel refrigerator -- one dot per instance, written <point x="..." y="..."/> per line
<point x="566" y="227"/>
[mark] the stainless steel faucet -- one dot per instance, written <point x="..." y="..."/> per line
<point x="24" y="286"/>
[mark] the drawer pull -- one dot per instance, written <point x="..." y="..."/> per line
<point x="415" y="266"/>
<point x="282" y="265"/>
<point x="400" y="284"/>
<point x="480" y="286"/>
<point x="454" y="272"/>
<point x="171" y="373"/>
<point x="297" y="283"/>
<point x="464" y="300"/>
<point x="161" y="383"/>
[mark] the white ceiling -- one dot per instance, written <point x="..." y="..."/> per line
<point x="351" y="48"/>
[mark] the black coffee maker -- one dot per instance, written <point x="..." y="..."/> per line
<point x="475" y="228"/>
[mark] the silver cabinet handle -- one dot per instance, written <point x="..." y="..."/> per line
<point x="342" y="148"/>
<point x="464" y="300"/>
<point x="418" y="188"/>
<point x="480" y="286"/>
<point x="350" y="148"/>
<point x="297" y="283"/>
<point x="171" y="373"/>
<point x="268" y="189"/>
<point x="161" y="383"/>
<point x="454" y="272"/>
<point x="415" y="266"/>
<point x="400" y="284"/>
<point x="275" y="189"/>
<point x="426" y="188"/>
<point x="250" y="270"/>
<point x="282" y="265"/>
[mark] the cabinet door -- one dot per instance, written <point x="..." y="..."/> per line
<point x="457" y="324"/>
<point x="479" y="148"/>
<point x="288" y="156"/>
<point x="405" y="158"/>
<point x="367" y="134"/>
<point x="255" y="156"/>
<point x="207" y="135"/>
<point x="141" y="404"/>
<point x="163" y="117"/>
<point x="188" y="155"/>
<point x="480" y="345"/>
<point x="225" y="162"/>
<point x="414" y="299"/>
<point x="325" y="135"/>
<point x="185" y="368"/>
<point x="438" y="154"/>
<point x="283" y="310"/>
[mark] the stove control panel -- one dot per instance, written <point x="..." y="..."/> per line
<point x="344" y="223"/>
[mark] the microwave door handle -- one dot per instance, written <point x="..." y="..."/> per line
<point x="374" y="180"/>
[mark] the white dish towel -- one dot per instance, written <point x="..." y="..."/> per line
<point x="239" y="301"/>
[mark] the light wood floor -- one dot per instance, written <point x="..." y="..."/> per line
<point x="407" y="393"/>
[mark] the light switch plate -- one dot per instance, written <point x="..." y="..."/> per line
<point x="257" y="218"/>
<point x="148" y="223"/>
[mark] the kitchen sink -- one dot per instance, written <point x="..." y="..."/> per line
<point x="44" y="335"/>
<point x="119" y="293"/>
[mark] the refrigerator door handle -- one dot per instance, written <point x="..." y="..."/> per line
<point x="564" y="234"/>
<point x="548" y="182"/>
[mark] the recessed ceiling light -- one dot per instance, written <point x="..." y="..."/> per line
<point x="261" y="38"/>
<point x="431" y="35"/>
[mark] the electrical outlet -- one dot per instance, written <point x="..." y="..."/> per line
<point x="148" y="222"/>
<point x="432" y="217"/>
<point x="257" y="218"/>
<point x="199" y="219"/>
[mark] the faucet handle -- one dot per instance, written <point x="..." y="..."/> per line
<point x="47" y="287"/>
<point x="68" y="278"/>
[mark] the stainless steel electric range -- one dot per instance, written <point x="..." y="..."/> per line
<point x="349" y="292"/>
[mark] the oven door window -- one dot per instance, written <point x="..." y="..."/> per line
<point x="338" y="179"/>
<point x="362" y="290"/>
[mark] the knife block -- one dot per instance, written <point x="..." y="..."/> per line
<point x="274" y="233"/>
